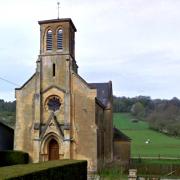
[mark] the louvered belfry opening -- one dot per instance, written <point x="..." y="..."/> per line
<point x="60" y="39"/>
<point x="53" y="151"/>
<point x="49" y="43"/>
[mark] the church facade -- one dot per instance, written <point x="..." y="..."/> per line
<point x="59" y="115"/>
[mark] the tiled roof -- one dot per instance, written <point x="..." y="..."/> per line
<point x="6" y="125"/>
<point x="118" y="135"/>
<point x="104" y="92"/>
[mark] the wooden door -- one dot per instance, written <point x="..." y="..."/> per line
<point x="53" y="152"/>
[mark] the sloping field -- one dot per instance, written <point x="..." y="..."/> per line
<point x="160" y="145"/>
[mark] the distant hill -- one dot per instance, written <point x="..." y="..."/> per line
<point x="161" y="114"/>
<point x="146" y="142"/>
<point x="8" y="112"/>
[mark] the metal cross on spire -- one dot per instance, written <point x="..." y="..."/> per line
<point x="58" y="3"/>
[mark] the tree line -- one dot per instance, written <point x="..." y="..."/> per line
<point x="162" y="115"/>
<point x="8" y="112"/>
<point x="7" y="106"/>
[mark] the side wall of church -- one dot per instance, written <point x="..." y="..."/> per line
<point x="23" y="139"/>
<point x="84" y="128"/>
<point x="104" y="135"/>
<point x="100" y="135"/>
<point x="108" y="127"/>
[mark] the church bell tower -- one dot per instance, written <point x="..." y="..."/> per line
<point x="53" y="88"/>
<point x="57" y="39"/>
<point x="57" y="36"/>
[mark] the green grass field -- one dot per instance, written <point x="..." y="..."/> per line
<point x="139" y="132"/>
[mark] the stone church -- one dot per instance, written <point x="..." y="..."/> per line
<point x="59" y="115"/>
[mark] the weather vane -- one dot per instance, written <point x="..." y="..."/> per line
<point x="58" y="3"/>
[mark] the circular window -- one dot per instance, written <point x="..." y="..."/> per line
<point x="53" y="103"/>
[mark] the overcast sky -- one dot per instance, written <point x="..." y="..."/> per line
<point x="134" y="43"/>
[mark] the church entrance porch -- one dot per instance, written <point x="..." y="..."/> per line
<point x="53" y="150"/>
<point x="51" y="147"/>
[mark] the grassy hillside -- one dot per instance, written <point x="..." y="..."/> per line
<point x="139" y="133"/>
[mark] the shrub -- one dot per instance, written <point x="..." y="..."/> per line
<point x="8" y="158"/>
<point x="60" y="170"/>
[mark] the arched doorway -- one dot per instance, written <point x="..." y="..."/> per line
<point x="53" y="150"/>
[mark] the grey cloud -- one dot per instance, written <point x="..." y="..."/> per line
<point x="135" y="43"/>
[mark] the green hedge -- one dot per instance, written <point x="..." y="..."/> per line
<point x="163" y="161"/>
<point x="156" y="167"/>
<point x="8" y="158"/>
<point x="60" y="170"/>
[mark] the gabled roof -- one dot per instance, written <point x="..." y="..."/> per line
<point x="104" y="92"/>
<point x="52" y="118"/>
<point x="6" y="126"/>
<point x="119" y="136"/>
<point x="26" y="82"/>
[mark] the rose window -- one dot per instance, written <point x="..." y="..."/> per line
<point x="53" y="103"/>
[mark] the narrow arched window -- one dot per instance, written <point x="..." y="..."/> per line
<point x="49" y="40"/>
<point x="60" y="39"/>
<point x="54" y="69"/>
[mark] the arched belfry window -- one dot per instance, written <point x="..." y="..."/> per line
<point x="49" y="40"/>
<point x="60" y="39"/>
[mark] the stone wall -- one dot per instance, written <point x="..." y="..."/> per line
<point x="122" y="151"/>
<point x="25" y="117"/>
<point x="100" y="135"/>
<point x="83" y="123"/>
